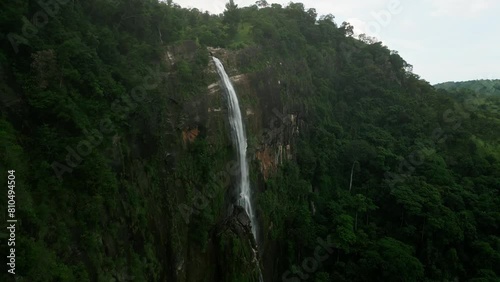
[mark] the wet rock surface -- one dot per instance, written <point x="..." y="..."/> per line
<point x="234" y="235"/>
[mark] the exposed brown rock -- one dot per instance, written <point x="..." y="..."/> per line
<point x="267" y="161"/>
<point x="188" y="136"/>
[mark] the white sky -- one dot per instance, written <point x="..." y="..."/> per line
<point x="444" y="40"/>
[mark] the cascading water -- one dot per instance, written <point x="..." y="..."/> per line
<point x="240" y="141"/>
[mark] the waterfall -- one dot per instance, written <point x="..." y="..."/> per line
<point x="240" y="142"/>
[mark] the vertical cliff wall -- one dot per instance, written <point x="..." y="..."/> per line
<point x="271" y="122"/>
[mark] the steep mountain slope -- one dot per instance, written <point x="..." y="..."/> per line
<point x="113" y="118"/>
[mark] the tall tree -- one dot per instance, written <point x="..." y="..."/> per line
<point x="232" y="17"/>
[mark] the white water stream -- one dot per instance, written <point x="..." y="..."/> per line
<point x="240" y="142"/>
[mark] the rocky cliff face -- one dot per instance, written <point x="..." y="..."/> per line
<point x="238" y="256"/>
<point x="271" y="127"/>
<point x="270" y="123"/>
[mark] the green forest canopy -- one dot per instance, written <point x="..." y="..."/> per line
<point x="423" y="202"/>
<point x="483" y="86"/>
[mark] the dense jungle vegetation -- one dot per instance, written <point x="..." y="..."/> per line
<point x="400" y="178"/>
<point x="483" y="86"/>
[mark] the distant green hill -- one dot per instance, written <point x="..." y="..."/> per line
<point x="483" y="86"/>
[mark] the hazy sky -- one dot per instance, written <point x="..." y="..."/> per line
<point x="443" y="39"/>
